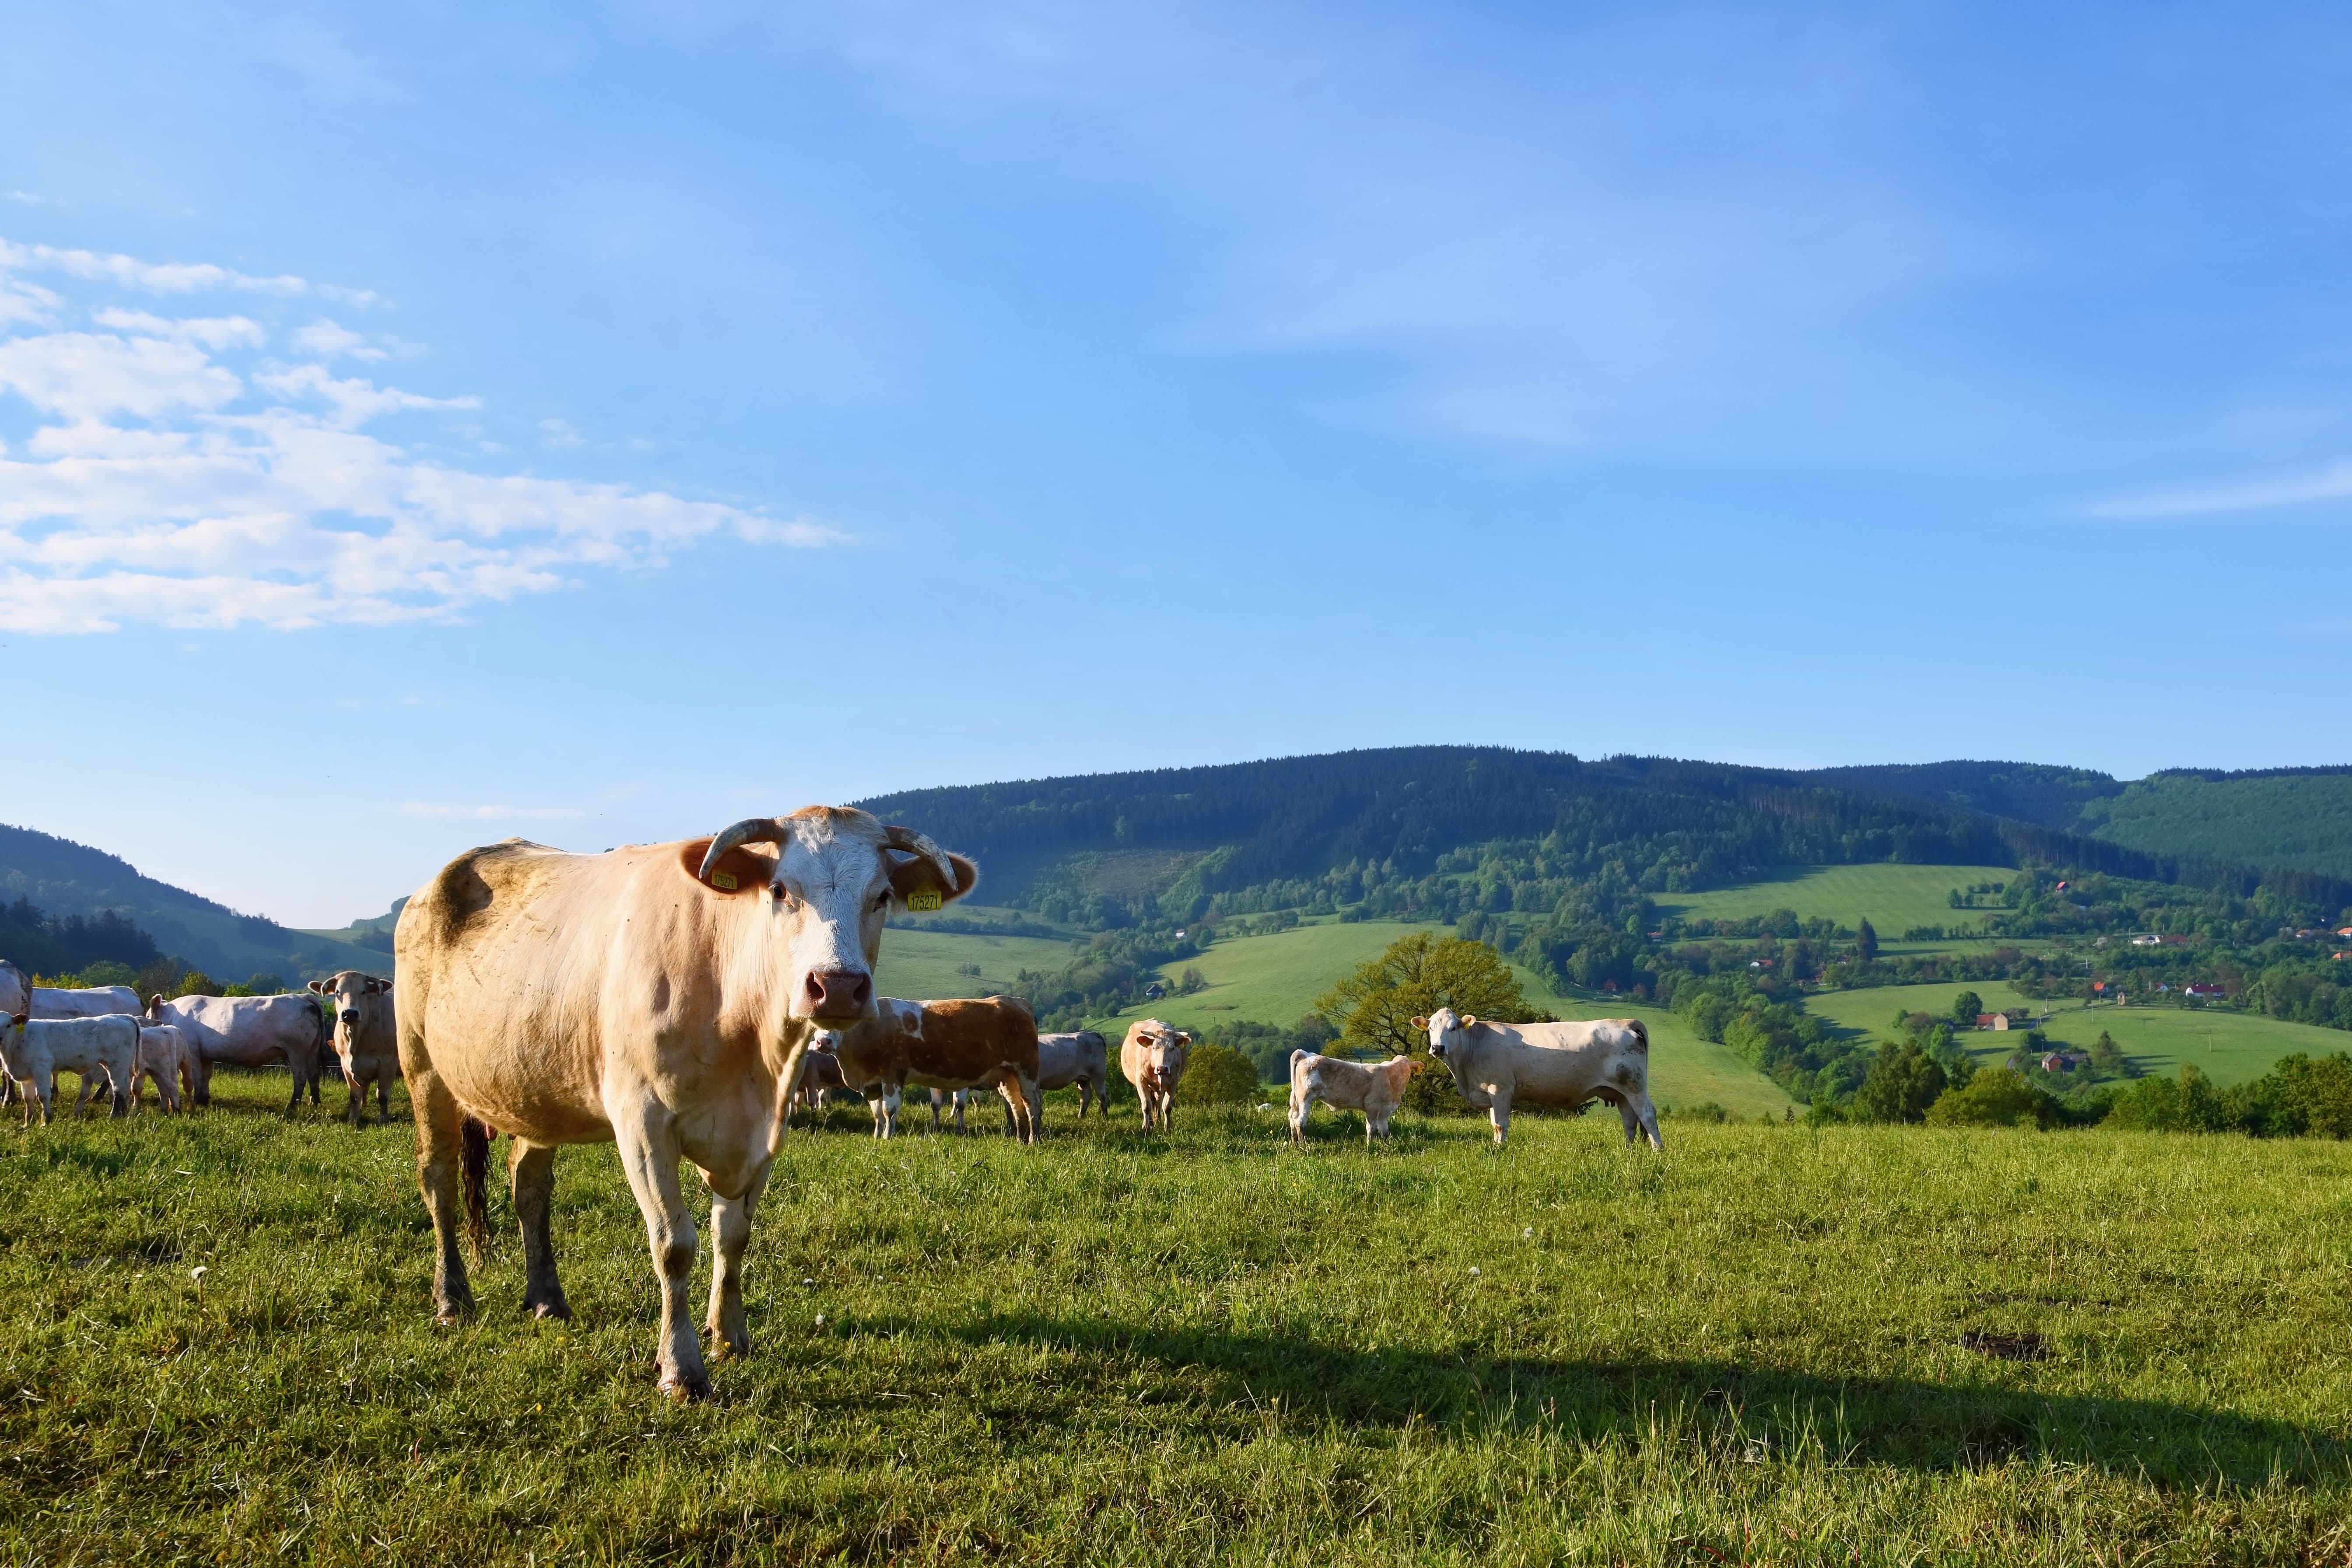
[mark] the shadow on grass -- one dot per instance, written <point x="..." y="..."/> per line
<point x="1892" y="1421"/>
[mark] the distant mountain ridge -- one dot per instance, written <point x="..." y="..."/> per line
<point x="1690" y="824"/>
<point x="63" y="878"/>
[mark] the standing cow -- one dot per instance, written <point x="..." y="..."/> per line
<point x="84" y="1002"/>
<point x="366" y="1045"/>
<point x="250" y="1032"/>
<point x="1497" y="1065"/>
<point x="164" y="1055"/>
<point x="960" y="1044"/>
<point x="34" y="1050"/>
<point x="1152" y="1058"/>
<point x="661" y="996"/>
<point x="1376" y="1090"/>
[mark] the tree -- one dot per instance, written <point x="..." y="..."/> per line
<point x="1903" y="1082"/>
<point x="1966" y="1008"/>
<point x="1219" y="1075"/>
<point x="1997" y="1097"/>
<point x="1418" y="974"/>
<point x="1191" y="981"/>
<point x="2105" y="1055"/>
<point x="1865" y="941"/>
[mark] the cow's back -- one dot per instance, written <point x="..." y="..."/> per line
<point x="88" y="1001"/>
<point x="249" y="1031"/>
<point x="1564" y="1064"/>
<point x="966" y="1036"/>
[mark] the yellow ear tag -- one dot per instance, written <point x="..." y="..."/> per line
<point x="724" y="879"/>
<point x="923" y="898"/>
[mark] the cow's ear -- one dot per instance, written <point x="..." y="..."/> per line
<point x="316" y="987"/>
<point x="915" y="883"/>
<point x="1469" y="1020"/>
<point x="1420" y="1023"/>
<point x="20" y="1020"/>
<point x="375" y="985"/>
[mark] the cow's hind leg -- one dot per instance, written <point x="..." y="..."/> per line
<point x="440" y="1165"/>
<point x="730" y="1227"/>
<point x="1501" y="1115"/>
<point x="649" y="1153"/>
<point x="531" y="1168"/>
<point x="1647" y="1114"/>
<point x="383" y="1097"/>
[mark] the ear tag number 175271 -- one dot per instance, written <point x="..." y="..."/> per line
<point x="923" y="898"/>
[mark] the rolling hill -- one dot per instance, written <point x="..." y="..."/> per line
<point x="63" y="878"/>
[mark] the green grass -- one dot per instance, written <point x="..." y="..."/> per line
<point x="924" y="965"/>
<point x="1686" y="1069"/>
<point x="1892" y="898"/>
<point x="2230" y="1047"/>
<point x="1275" y="978"/>
<point x="1112" y="1349"/>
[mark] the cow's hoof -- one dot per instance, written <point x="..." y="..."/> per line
<point x="686" y="1390"/>
<point x="559" y="1309"/>
<point x="450" y="1314"/>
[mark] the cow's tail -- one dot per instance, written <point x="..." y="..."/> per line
<point x="474" y="1181"/>
<point x="1641" y="1037"/>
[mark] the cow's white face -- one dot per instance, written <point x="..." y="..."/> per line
<point x="348" y="998"/>
<point x="1446" y="1028"/>
<point x="835" y="880"/>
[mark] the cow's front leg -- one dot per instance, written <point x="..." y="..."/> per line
<point x="730" y="1227"/>
<point x="531" y="1168"/>
<point x="1499" y="1113"/>
<point x="649" y="1153"/>
<point x="382" y="1099"/>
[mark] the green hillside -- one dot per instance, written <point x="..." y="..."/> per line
<point x="1894" y="898"/>
<point x="63" y="878"/>
<point x="2229" y="1047"/>
<point x="2300" y="819"/>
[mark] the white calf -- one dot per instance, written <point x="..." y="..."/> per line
<point x="1376" y="1090"/>
<point x="34" y="1050"/>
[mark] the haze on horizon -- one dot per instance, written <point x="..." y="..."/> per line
<point x="420" y="425"/>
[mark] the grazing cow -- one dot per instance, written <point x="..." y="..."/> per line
<point x="962" y="1044"/>
<point x="820" y="1076"/>
<point x="662" y="996"/>
<point x="366" y="1045"/>
<point x="89" y="1002"/>
<point x="250" y="1032"/>
<point x="1152" y="1058"/>
<point x="34" y="1050"/>
<point x="1495" y="1065"/>
<point x="1081" y="1059"/>
<point x="1376" y="1091"/>
<point x="165" y="1056"/>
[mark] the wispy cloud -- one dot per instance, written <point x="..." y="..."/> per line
<point x="2331" y="483"/>
<point x="211" y="469"/>
<point x="418" y="808"/>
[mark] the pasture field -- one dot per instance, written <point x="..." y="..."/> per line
<point x="1768" y="1344"/>
<point x="2229" y="1047"/>
<point x="1686" y="1069"/>
<point x="1892" y="898"/>
<point x="924" y="965"/>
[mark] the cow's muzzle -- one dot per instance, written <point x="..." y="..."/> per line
<point x="837" y="993"/>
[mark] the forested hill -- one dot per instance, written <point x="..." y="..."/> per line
<point x="1662" y="823"/>
<point x="66" y="879"/>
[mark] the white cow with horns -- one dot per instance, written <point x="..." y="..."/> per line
<point x="1497" y="1065"/>
<point x="658" y="995"/>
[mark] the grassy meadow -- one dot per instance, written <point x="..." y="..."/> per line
<point x="1768" y="1345"/>
<point x="2229" y="1047"/>
<point x="1892" y="898"/>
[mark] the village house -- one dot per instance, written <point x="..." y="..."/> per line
<point x="1992" y="1020"/>
<point x="2198" y="988"/>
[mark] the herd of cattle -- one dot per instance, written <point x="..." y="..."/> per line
<point x="678" y="1000"/>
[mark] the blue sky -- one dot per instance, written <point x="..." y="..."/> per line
<point x="427" y="422"/>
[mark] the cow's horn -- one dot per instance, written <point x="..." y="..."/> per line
<point x="914" y="843"/>
<point x="751" y="830"/>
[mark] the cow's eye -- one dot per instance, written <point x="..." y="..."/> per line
<point x="882" y="900"/>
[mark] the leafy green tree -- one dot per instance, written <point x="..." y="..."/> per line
<point x="1997" y="1096"/>
<point x="1192" y="982"/>
<point x="196" y="983"/>
<point x="1219" y="1075"/>
<point x="1966" y="1009"/>
<point x="1865" y="941"/>
<point x="1414" y="978"/>
<point x="1903" y="1082"/>
<point x="2105" y="1055"/>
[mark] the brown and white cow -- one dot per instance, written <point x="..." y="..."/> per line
<point x="659" y="997"/>
<point x="360" y="1012"/>
<point x="1375" y="1089"/>
<point x="1497" y="1065"/>
<point x="1152" y="1058"/>
<point x="34" y="1050"/>
<point x="250" y="1032"/>
<point x="965" y="1043"/>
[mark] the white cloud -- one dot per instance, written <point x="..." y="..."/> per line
<point x="2331" y="483"/>
<point x="560" y="433"/>
<point x="418" y="808"/>
<point x="179" y="472"/>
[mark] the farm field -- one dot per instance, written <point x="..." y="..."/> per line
<point x="1892" y="898"/>
<point x="2229" y="1047"/>
<point x="1686" y="1069"/>
<point x="925" y="965"/>
<point x="1768" y="1344"/>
